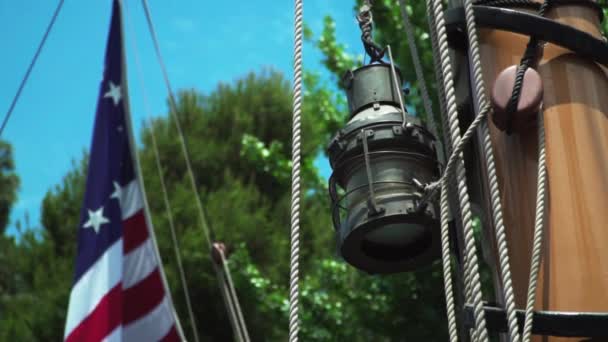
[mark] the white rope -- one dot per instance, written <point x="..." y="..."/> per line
<point x="444" y="209"/>
<point x="446" y="259"/>
<point x="294" y="269"/>
<point x="537" y="245"/>
<point x="161" y="177"/>
<point x="471" y="268"/>
<point x="482" y="104"/>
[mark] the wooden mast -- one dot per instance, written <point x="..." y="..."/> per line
<point x="574" y="271"/>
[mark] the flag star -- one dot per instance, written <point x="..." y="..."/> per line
<point x="96" y="220"/>
<point x="117" y="191"/>
<point x="115" y="93"/>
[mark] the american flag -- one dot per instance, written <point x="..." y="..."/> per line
<point x="119" y="291"/>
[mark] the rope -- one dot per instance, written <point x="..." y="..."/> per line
<point x="173" y="111"/>
<point x="9" y="112"/>
<point x="238" y="336"/>
<point x="234" y="303"/>
<point x="445" y="209"/>
<point x="426" y="98"/>
<point x="538" y="230"/>
<point x="294" y="264"/>
<point x="239" y="320"/>
<point x="140" y="180"/>
<point x="446" y="262"/>
<point x="483" y="105"/>
<point x="161" y="177"/>
<point x="471" y="267"/>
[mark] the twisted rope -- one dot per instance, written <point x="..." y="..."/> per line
<point x="538" y="230"/>
<point x="444" y="209"/>
<point x="501" y="238"/>
<point x="294" y="265"/>
<point x="471" y="267"/>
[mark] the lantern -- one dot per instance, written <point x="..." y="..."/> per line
<point x="379" y="159"/>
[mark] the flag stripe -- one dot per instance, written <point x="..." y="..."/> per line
<point x="135" y="231"/>
<point x="138" y="264"/>
<point x="143" y="297"/>
<point x="172" y="336"/>
<point x="152" y="327"/>
<point x="115" y="335"/>
<point x="100" y="278"/>
<point x="119" y="291"/>
<point x="105" y="318"/>
<point x="131" y="199"/>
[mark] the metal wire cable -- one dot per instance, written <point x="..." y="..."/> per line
<point x="242" y="327"/>
<point x="424" y="92"/>
<point x="471" y="267"/>
<point x="483" y="105"/>
<point x="9" y="112"/>
<point x="228" y="303"/>
<point x="173" y="110"/>
<point x="235" y="305"/>
<point x="167" y="203"/>
<point x="140" y="180"/>
<point x="294" y="257"/>
<point x="537" y="245"/>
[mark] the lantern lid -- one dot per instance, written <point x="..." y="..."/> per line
<point x="371" y="84"/>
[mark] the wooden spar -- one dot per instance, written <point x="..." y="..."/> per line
<point x="574" y="271"/>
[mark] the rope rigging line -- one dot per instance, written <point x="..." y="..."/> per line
<point x="537" y="244"/>
<point x="208" y="232"/>
<point x="530" y="58"/>
<point x="140" y="181"/>
<point x="230" y="296"/>
<point x="445" y="233"/>
<point x="483" y="106"/>
<point x="167" y="203"/>
<point x="472" y="278"/>
<point x="30" y="67"/>
<point x="294" y="257"/>
<point x="424" y="92"/>
<point x="173" y="110"/>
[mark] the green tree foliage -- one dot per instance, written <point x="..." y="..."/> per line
<point x="239" y="139"/>
<point x="9" y="182"/>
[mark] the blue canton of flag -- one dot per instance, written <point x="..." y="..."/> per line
<point x="119" y="292"/>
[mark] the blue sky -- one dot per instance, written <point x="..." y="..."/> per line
<point x="203" y="43"/>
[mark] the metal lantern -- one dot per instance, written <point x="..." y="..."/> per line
<point x="379" y="159"/>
